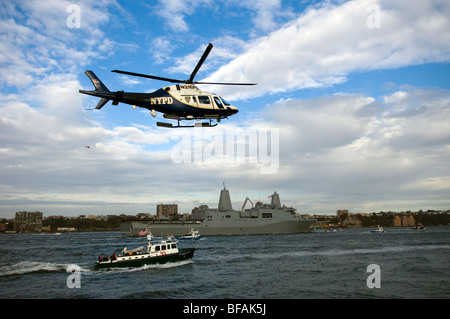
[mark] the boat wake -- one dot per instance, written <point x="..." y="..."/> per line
<point x="36" y="267"/>
<point x="145" y="267"/>
<point x="237" y="257"/>
<point x="356" y="251"/>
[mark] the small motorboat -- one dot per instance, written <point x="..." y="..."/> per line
<point x="193" y="234"/>
<point x="418" y="227"/>
<point x="379" y="229"/>
<point x="161" y="252"/>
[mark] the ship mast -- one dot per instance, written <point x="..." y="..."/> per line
<point x="224" y="200"/>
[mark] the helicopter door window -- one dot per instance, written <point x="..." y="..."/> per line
<point x="218" y="102"/>
<point x="204" y="99"/>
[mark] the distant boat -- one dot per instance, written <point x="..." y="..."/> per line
<point x="419" y="227"/>
<point x="332" y="229"/>
<point x="379" y="229"/>
<point x="193" y="234"/>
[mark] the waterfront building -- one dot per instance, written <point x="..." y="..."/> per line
<point x="168" y="211"/>
<point x="28" y="222"/>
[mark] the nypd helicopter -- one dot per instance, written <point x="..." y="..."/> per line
<point x="181" y="102"/>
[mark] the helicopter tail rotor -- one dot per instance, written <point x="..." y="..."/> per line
<point x="99" y="89"/>
<point x="99" y="86"/>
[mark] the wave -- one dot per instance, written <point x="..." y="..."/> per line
<point x="312" y="253"/>
<point x="356" y="251"/>
<point x="27" y="267"/>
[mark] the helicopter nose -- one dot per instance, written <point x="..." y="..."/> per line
<point x="233" y="110"/>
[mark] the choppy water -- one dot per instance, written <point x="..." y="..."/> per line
<point x="413" y="264"/>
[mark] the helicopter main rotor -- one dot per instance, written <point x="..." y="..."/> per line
<point x="191" y="78"/>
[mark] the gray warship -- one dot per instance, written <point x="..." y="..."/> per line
<point x="261" y="218"/>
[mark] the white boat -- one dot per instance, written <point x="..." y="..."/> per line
<point x="418" y="227"/>
<point x="379" y="229"/>
<point x="193" y="234"/>
<point x="156" y="253"/>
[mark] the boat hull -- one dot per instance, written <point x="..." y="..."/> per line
<point x="145" y="259"/>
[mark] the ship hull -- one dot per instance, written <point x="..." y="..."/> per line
<point x="260" y="219"/>
<point x="243" y="227"/>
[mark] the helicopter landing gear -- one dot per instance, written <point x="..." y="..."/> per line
<point x="197" y="124"/>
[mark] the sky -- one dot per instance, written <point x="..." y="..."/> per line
<point x="351" y="109"/>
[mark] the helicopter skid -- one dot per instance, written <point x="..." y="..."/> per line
<point x="170" y="125"/>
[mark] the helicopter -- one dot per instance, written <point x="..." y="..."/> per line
<point x="183" y="101"/>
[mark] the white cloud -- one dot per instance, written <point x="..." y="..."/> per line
<point x="347" y="149"/>
<point x="366" y="153"/>
<point x="36" y="39"/>
<point x="265" y="12"/>
<point x="396" y="97"/>
<point x="327" y="42"/>
<point x="174" y="12"/>
<point x="338" y="150"/>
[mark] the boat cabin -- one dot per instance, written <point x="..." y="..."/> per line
<point x="169" y="248"/>
<point x="153" y="249"/>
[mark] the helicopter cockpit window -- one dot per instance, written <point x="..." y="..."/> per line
<point x="204" y="99"/>
<point x="218" y="102"/>
<point x="225" y="102"/>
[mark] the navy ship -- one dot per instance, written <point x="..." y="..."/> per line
<point x="261" y="218"/>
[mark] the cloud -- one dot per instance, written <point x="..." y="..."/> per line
<point x="225" y="48"/>
<point x="265" y="13"/>
<point x="37" y="40"/>
<point x="329" y="41"/>
<point x="342" y="150"/>
<point x="174" y="12"/>
<point x="346" y="150"/>
<point x="367" y="152"/>
<point x="44" y="157"/>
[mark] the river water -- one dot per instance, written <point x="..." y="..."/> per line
<point x="408" y="264"/>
